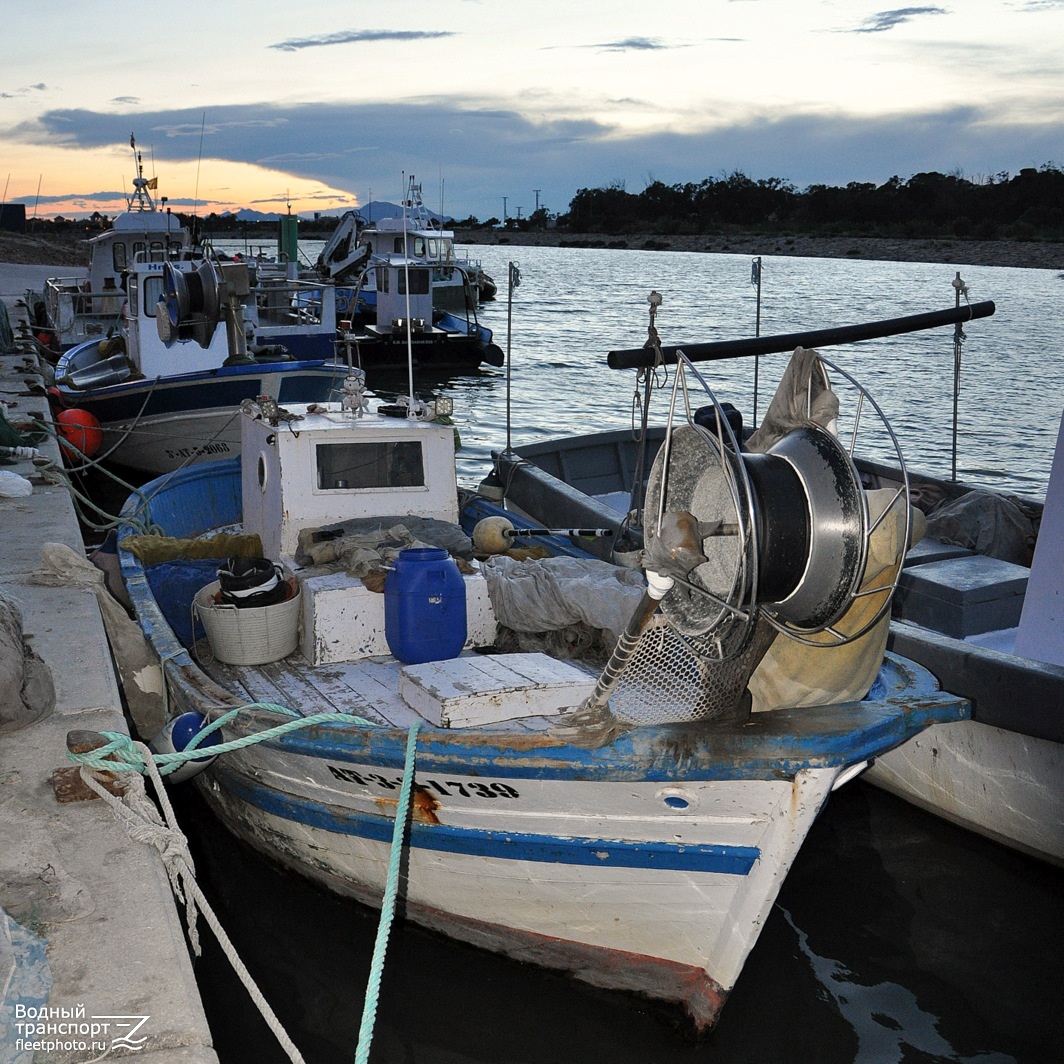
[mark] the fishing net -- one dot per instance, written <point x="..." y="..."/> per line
<point x="671" y="678"/>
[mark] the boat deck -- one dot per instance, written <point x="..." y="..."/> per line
<point x="369" y="688"/>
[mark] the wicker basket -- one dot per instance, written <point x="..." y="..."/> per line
<point x="252" y="635"/>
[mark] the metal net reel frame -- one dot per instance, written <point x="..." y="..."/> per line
<point x="717" y="621"/>
<point x="902" y="497"/>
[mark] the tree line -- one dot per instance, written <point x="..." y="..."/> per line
<point x="1027" y="206"/>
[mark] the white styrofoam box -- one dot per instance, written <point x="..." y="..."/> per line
<point x="344" y="621"/>
<point x="480" y="689"/>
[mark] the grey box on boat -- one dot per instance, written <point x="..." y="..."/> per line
<point x="933" y="550"/>
<point x="962" y="596"/>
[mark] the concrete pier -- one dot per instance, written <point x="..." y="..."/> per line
<point x="93" y="956"/>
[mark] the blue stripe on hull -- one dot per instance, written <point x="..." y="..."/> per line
<point x="508" y="846"/>
<point x="223" y="388"/>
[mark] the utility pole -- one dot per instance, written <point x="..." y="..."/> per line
<point x="504" y="209"/>
<point x="537" y="191"/>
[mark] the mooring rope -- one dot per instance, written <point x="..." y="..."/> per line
<point x="143" y="823"/>
<point x="391" y="888"/>
<point x="122" y="754"/>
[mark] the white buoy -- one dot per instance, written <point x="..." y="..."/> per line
<point x="490" y="535"/>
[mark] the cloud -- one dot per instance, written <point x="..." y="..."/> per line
<point x="23" y="91"/>
<point x="483" y="153"/>
<point x="132" y="101"/>
<point x="359" y="37"/>
<point x="887" y="20"/>
<point x="633" y="44"/>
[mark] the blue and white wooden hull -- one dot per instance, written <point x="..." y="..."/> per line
<point x="606" y="880"/>
<point x="159" y="425"/>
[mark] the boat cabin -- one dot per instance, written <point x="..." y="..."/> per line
<point x="331" y="467"/>
<point x="404" y="291"/>
<point x="86" y="308"/>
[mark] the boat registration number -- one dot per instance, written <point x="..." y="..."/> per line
<point x="466" y="788"/>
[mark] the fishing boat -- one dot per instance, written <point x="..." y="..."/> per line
<point x="982" y="611"/>
<point x="963" y="596"/>
<point x="403" y="328"/>
<point x="558" y="757"/>
<point x="164" y="396"/>
<point x="459" y="283"/>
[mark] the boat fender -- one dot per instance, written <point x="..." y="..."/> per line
<point x="175" y="737"/>
<point x="80" y="432"/>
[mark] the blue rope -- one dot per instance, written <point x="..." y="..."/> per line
<point x="391" y="888"/>
<point x="121" y="754"/>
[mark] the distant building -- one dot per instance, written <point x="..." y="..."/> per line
<point x="13" y="217"/>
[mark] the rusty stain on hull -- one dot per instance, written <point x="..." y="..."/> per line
<point x="423" y="806"/>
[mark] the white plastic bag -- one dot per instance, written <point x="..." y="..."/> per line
<point x="13" y="486"/>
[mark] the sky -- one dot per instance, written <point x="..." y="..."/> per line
<point x="497" y="106"/>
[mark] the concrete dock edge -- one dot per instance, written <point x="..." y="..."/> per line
<point x="71" y="879"/>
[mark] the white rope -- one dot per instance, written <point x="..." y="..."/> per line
<point x="141" y="819"/>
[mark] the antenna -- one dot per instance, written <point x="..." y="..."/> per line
<point x="199" y="161"/>
<point x="406" y="282"/>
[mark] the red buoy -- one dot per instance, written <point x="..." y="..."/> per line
<point x="81" y="430"/>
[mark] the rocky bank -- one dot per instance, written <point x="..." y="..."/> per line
<point x="34" y="250"/>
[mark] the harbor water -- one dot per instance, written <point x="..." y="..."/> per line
<point x="573" y="305"/>
<point x="896" y="937"/>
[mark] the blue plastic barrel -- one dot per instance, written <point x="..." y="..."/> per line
<point x="424" y="606"/>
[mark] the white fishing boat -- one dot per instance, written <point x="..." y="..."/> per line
<point x="975" y="608"/>
<point x="459" y="283"/>
<point x="164" y="396"/>
<point x="607" y="802"/>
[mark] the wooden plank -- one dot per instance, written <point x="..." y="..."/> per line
<point x="469" y="691"/>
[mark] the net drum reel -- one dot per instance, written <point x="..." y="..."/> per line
<point x="782" y="534"/>
<point x="744" y="546"/>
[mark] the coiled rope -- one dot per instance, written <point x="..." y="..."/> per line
<point x="143" y="823"/>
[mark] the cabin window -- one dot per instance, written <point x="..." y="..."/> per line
<point x="153" y="292"/>
<point x="134" y="294"/>
<point x="419" y="282"/>
<point x="399" y="245"/>
<point x="362" y="466"/>
<point x="382" y="280"/>
<point x="419" y="247"/>
<point x="434" y="248"/>
<point x="118" y="256"/>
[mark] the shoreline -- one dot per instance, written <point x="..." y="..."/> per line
<point x="28" y="250"/>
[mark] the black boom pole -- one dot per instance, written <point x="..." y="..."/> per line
<point x="640" y="357"/>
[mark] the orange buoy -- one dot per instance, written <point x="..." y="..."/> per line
<point x="81" y="430"/>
